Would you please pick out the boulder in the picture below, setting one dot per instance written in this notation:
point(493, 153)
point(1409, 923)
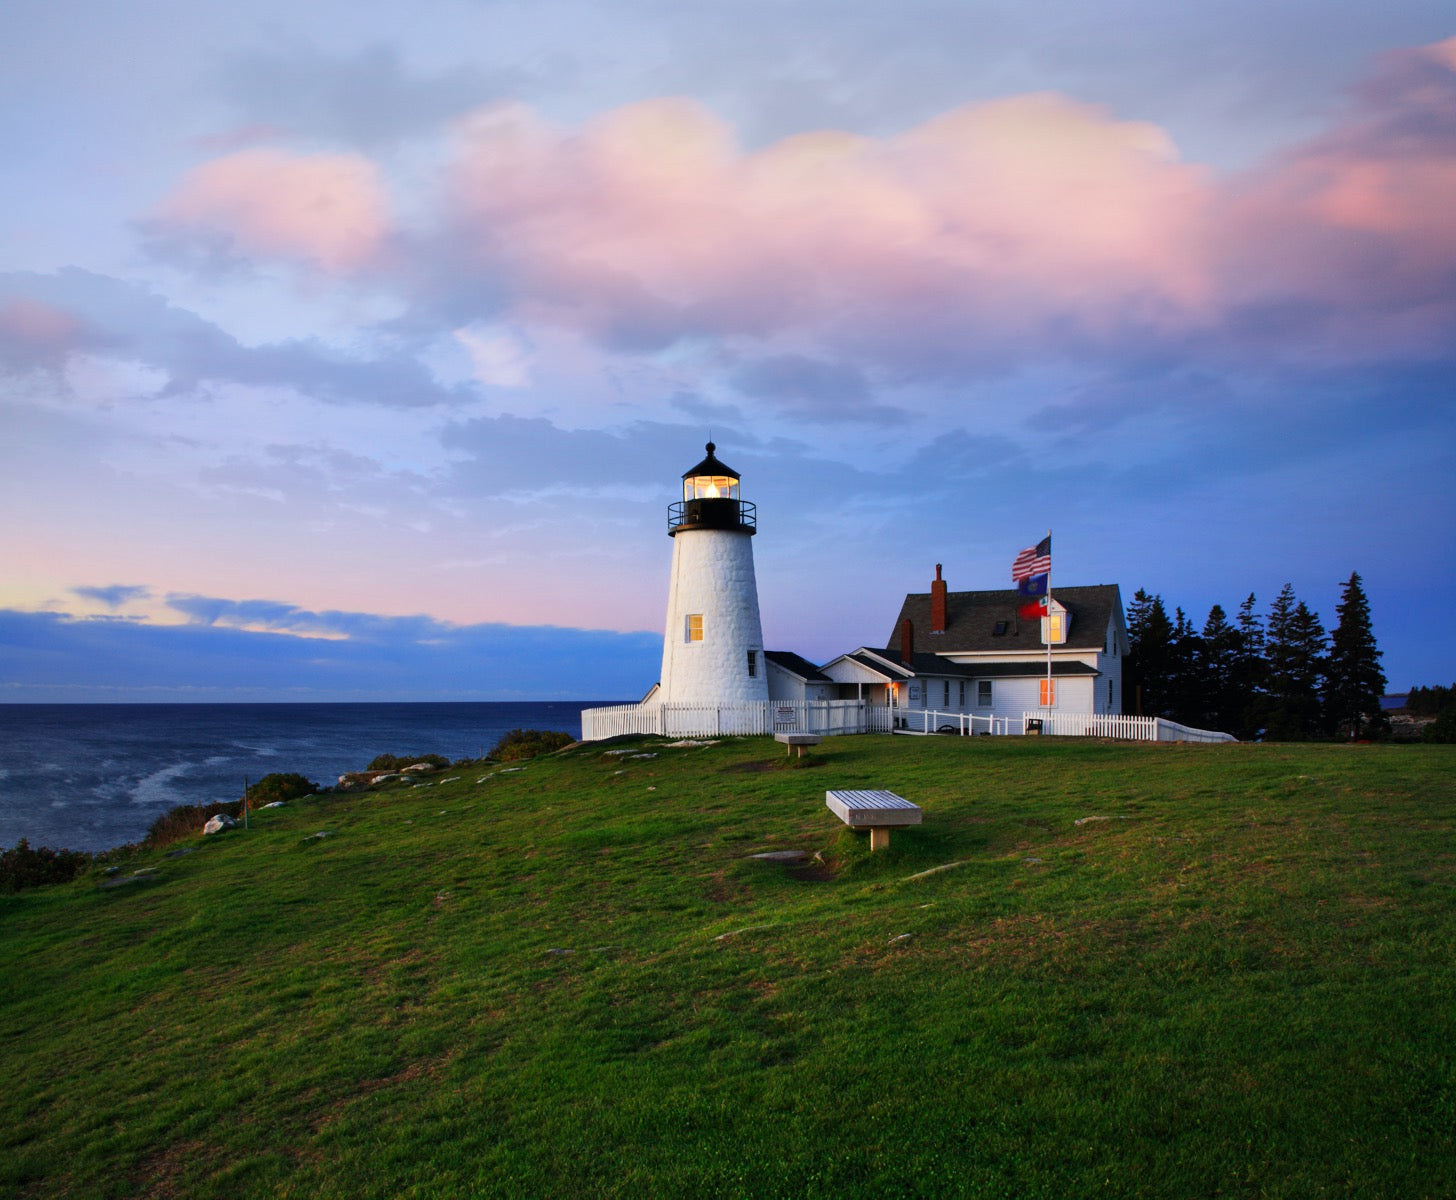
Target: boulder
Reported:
point(218, 823)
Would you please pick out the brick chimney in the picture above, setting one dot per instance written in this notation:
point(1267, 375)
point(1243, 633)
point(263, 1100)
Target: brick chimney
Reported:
point(907, 641)
point(937, 603)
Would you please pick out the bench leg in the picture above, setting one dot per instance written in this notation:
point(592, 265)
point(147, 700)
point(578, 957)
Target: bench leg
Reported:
point(879, 838)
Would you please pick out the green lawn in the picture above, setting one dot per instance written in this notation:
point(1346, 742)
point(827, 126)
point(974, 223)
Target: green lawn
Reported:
point(572, 980)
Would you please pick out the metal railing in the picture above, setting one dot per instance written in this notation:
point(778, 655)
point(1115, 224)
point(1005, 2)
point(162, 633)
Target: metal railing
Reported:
point(713, 512)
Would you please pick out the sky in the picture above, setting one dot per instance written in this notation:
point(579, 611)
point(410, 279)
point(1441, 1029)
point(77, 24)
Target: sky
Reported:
point(351, 351)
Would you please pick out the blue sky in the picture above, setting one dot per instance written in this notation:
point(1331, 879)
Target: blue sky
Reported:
point(349, 353)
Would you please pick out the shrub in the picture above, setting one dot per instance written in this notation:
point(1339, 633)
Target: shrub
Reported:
point(528, 743)
point(1443, 728)
point(280, 786)
point(24, 867)
point(187, 820)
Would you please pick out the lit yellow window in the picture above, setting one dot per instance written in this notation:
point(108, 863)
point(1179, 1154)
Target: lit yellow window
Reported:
point(1048, 692)
point(1054, 629)
point(695, 627)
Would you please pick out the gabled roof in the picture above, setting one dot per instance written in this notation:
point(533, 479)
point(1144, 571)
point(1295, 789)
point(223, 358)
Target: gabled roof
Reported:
point(794, 665)
point(972, 617)
point(888, 664)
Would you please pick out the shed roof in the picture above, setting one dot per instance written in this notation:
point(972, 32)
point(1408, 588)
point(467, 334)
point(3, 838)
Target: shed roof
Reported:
point(795, 665)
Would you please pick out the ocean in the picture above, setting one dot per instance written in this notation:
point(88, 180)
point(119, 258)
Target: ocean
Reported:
point(93, 776)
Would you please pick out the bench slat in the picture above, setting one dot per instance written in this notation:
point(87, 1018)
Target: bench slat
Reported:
point(871, 807)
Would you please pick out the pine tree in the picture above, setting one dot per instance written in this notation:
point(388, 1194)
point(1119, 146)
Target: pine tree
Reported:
point(1250, 674)
point(1295, 654)
point(1354, 681)
point(1186, 696)
point(1217, 663)
point(1150, 638)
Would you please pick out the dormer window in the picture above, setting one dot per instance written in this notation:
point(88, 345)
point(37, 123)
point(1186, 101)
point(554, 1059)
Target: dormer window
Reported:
point(999, 629)
point(1054, 625)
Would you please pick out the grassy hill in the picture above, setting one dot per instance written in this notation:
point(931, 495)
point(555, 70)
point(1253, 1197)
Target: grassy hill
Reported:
point(1145, 971)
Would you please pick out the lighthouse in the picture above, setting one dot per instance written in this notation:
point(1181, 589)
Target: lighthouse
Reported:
point(712, 650)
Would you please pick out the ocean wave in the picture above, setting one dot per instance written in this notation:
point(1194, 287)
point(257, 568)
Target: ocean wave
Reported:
point(154, 791)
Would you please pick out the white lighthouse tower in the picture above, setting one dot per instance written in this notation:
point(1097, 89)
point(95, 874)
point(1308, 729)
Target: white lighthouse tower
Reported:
point(713, 648)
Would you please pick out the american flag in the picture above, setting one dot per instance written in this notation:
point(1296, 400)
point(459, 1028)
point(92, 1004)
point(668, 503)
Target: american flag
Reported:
point(1034, 560)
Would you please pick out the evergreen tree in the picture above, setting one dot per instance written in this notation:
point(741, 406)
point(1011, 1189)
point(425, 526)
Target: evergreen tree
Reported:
point(1150, 640)
point(1295, 655)
point(1250, 674)
point(1186, 698)
point(1354, 681)
point(1218, 660)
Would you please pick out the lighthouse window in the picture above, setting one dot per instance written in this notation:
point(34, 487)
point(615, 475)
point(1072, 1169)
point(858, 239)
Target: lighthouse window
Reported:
point(694, 628)
point(752, 666)
point(710, 487)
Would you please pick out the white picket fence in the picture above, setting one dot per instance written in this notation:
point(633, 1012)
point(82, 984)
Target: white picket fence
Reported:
point(679, 719)
point(1111, 725)
point(830, 717)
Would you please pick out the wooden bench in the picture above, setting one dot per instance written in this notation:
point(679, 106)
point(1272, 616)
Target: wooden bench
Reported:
point(797, 741)
point(876, 811)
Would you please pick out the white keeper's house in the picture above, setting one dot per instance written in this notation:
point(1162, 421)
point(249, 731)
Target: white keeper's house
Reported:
point(972, 652)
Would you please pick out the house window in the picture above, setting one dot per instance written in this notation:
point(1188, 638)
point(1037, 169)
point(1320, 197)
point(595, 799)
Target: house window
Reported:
point(1109, 695)
point(983, 693)
point(752, 665)
point(1048, 693)
point(963, 693)
point(946, 701)
point(1054, 629)
point(694, 631)
point(999, 629)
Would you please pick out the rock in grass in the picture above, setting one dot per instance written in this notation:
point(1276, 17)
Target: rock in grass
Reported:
point(218, 823)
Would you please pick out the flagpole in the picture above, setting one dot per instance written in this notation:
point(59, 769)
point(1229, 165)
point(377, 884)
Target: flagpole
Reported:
point(1050, 694)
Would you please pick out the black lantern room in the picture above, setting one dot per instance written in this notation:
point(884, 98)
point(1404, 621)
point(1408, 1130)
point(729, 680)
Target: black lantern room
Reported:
point(711, 501)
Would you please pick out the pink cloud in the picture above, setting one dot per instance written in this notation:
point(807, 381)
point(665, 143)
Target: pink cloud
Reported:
point(1006, 210)
point(37, 324)
point(1355, 226)
point(36, 334)
point(328, 209)
point(998, 232)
